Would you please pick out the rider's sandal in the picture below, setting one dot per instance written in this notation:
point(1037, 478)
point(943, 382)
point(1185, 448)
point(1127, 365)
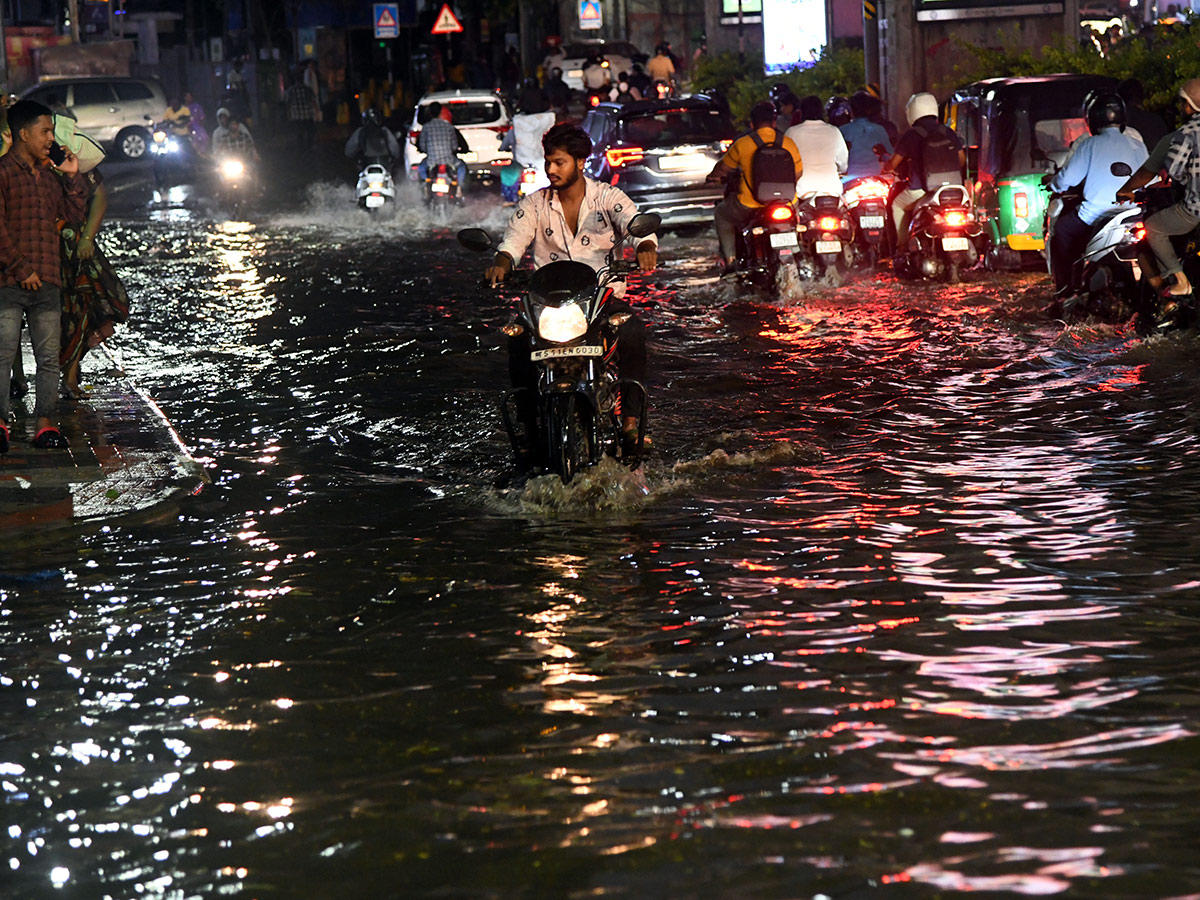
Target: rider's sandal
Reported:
point(3, 438)
point(50, 438)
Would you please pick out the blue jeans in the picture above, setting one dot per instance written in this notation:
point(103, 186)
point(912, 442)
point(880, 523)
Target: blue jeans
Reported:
point(43, 307)
point(460, 170)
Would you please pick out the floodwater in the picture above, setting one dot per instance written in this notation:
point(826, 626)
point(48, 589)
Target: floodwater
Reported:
point(903, 605)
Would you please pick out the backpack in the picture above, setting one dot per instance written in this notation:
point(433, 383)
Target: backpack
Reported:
point(773, 170)
point(939, 157)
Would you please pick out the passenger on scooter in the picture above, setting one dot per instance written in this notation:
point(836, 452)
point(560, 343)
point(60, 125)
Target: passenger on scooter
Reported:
point(661, 67)
point(597, 74)
point(232, 138)
point(576, 219)
point(823, 150)
point(787, 107)
point(738, 208)
point(932, 154)
point(441, 143)
point(863, 136)
point(524, 139)
point(1089, 165)
point(373, 143)
point(1179, 154)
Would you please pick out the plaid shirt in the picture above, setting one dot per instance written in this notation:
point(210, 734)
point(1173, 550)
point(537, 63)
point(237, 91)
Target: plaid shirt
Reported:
point(31, 203)
point(439, 142)
point(1183, 163)
point(226, 143)
point(301, 105)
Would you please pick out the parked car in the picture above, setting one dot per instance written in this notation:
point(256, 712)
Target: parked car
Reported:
point(572, 57)
point(118, 112)
point(481, 118)
point(659, 153)
point(1016, 130)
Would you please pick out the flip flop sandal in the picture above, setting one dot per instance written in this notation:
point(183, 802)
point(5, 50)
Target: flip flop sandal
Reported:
point(3, 438)
point(50, 438)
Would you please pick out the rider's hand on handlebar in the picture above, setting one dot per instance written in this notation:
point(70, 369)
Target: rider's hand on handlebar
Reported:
point(498, 270)
point(647, 257)
point(1126, 196)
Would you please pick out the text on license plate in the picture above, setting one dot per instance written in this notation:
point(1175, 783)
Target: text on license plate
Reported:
point(871, 221)
point(955, 243)
point(829, 246)
point(683, 161)
point(553, 352)
point(784, 239)
point(374, 200)
point(440, 187)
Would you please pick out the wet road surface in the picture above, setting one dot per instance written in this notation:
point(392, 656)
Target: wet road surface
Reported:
point(904, 603)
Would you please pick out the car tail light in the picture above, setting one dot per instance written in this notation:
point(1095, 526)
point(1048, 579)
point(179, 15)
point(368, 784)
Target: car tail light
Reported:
point(414, 134)
point(1021, 205)
point(620, 156)
point(829, 223)
point(499, 129)
point(595, 99)
point(781, 214)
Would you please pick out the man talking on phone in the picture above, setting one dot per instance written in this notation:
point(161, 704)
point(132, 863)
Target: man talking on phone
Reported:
point(33, 197)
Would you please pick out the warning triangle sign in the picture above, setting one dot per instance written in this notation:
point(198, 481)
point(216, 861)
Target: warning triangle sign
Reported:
point(386, 19)
point(589, 11)
point(447, 22)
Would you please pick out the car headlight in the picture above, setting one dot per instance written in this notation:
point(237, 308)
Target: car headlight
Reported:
point(562, 323)
point(232, 168)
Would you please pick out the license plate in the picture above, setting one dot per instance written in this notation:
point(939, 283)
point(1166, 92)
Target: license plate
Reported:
point(374, 200)
point(469, 156)
point(829, 246)
point(684, 161)
point(955, 243)
point(784, 239)
point(440, 187)
point(554, 352)
point(574, 73)
point(871, 222)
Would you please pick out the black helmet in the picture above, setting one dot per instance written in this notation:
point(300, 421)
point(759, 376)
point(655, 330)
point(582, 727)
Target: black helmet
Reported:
point(781, 94)
point(837, 111)
point(1103, 109)
point(371, 117)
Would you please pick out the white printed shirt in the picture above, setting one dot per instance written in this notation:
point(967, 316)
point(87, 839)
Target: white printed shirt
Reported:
point(538, 219)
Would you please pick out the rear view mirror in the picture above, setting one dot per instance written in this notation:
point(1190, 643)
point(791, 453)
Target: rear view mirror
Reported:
point(642, 225)
point(1121, 169)
point(476, 240)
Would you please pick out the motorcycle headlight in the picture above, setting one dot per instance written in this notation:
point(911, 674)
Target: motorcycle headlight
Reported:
point(560, 324)
point(159, 137)
point(232, 168)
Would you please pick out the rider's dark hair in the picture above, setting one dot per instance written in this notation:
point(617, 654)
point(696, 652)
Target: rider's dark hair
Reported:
point(1131, 92)
point(861, 104)
point(762, 114)
point(24, 113)
point(571, 139)
point(433, 110)
point(812, 108)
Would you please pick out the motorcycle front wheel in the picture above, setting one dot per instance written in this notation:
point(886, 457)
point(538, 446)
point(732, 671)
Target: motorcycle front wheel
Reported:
point(566, 436)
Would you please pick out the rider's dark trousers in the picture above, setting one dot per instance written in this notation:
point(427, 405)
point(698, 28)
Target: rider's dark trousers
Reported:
point(1070, 239)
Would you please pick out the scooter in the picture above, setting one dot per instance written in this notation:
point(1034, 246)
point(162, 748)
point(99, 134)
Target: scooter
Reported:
point(1155, 311)
point(441, 188)
point(768, 244)
point(174, 155)
point(866, 202)
point(572, 338)
point(827, 233)
point(375, 188)
point(943, 236)
point(235, 183)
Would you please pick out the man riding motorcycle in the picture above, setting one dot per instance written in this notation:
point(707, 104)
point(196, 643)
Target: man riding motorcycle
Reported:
point(524, 139)
point(927, 148)
point(1089, 165)
point(823, 150)
point(373, 143)
point(441, 143)
point(1179, 154)
point(863, 136)
point(578, 219)
point(738, 208)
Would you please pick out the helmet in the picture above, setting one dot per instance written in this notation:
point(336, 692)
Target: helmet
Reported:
point(224, 112)
point(781, 94)
point(1103, 109)
point(371, 117)
point(919, 106)
point(837, 111)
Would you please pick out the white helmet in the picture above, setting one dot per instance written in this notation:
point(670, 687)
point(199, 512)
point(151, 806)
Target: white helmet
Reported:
point(224, 112)
point(919, 106)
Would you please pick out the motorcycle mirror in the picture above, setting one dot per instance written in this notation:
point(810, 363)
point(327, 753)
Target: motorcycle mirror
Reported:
point(644, 224)
point(1121, 168)
point(476, 240)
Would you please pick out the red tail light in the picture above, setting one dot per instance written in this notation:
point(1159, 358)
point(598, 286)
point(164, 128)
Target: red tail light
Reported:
point(829, 223)
point(956, 218)
point(1138, 231)
point(781, 214)
point(725, 145)
point(414, 134)
point(529, 176)
point(1021, 205)
point(868, 189)
point(595, 99)
point(499, 129)
point(620, 156)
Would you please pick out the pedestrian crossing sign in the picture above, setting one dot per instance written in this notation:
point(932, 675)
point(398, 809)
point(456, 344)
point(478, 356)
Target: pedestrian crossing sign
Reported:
point(387, 20)
point(447, 22)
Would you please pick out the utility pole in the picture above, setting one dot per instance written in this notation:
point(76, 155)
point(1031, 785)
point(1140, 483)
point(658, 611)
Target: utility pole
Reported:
point(73, 12)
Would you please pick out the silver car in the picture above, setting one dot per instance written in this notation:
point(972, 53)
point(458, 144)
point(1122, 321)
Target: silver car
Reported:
point(573, 57)
point(118, 112)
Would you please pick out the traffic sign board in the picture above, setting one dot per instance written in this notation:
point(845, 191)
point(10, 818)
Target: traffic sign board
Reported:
point(447, 22)
point(590, 16)
point(387, 20)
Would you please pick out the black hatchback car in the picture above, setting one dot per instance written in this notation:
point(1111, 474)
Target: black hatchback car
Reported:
point(659, 153)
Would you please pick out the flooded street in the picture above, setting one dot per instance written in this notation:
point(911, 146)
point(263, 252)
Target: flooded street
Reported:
point(904, 603)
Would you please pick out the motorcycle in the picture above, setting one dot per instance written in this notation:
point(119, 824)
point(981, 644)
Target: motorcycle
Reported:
point(827, 232)
point(572, 339)
point(768, 244)
point(943, 236)
point(375, 188)
point(1157, 312)
point(235, 183)
point(866, 202)
point(533, 179)
point(174, 154)
point(441, 187)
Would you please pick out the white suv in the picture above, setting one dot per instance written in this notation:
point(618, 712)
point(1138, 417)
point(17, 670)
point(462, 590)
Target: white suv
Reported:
point(481, 118)
point(118, 112)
